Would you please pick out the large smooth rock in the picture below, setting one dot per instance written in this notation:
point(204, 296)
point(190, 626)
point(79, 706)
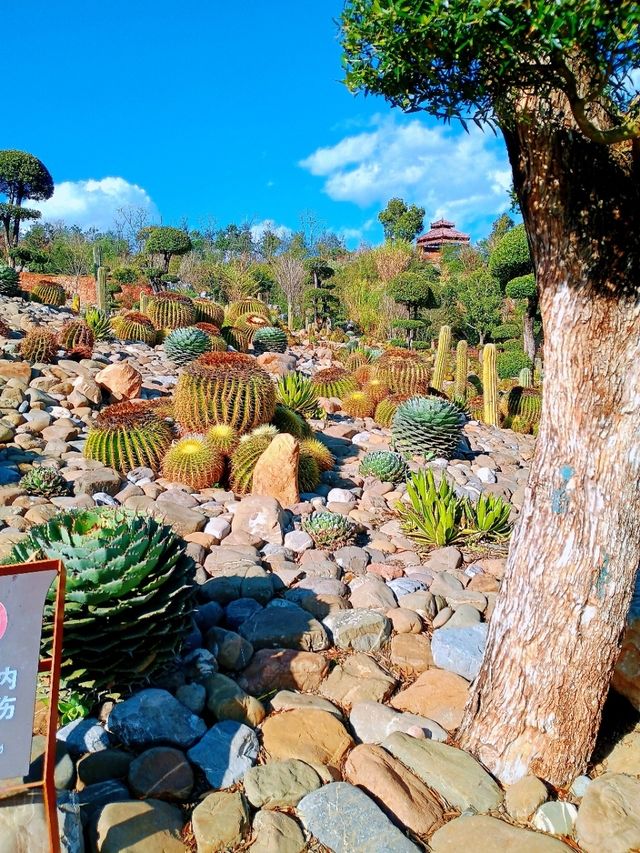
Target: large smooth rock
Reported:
point(136, 826)
point(400, 794)
point(277, 833)
point(454, 774)
point(154, 717)
point(609, 815)
point(220, 821)
point(360, 630)
point(523, 797)
point(276, 472)
point(437, 694)
point(235, 578)
point(225, 753)
point(283, 669)
point(315, 737)
point(97, 480)
point(81, 736)
point(357, 679)
point(227, 701)
point(483, 834)
point(284, 625)
point(346, 820)
point(261, 517)
point(122, 381)
point(162, 773)
point(280, 783)
point(460, 650)
point(411, 653)
point(372, 722)
point(372, 593)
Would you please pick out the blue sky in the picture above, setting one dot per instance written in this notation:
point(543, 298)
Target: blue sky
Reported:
point(228, 112)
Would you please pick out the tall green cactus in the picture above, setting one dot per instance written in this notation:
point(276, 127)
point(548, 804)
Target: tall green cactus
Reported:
point(97, 260)
point(462, 370)
point(525, 380)
point(102, 290)
point(490, 385)
point(440, 366)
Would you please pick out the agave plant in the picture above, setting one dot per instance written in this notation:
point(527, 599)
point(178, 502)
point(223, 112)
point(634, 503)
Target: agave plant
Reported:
point(299, 393)
point(427, 426)
point(185, 344)
point(434, 515)
point(269, 339)
point(45, 482)
point(128, 597)
point(99, 323)
point(489, 517)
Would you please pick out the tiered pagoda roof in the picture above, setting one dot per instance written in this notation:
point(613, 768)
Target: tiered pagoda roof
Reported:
point(442, 233)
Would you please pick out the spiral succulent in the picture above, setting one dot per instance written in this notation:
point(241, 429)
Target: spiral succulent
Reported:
point(224, 388)
point(9, 282)
point(224, 438)
point(128, 598)
point(169, 310)
point(39, 345)
point(209, 312)
point(194, 462)
point(384, 465)
point(186, 344)
point(329, 529)
point(44, 482)
point(245, 458)
point(133, 326)
point(49, 293)
point(427, 426)
point(99, 323)
point(298, 393)
point(286, 420)
point(358, 405)
point(269, 339)
point(76, 338)
point(334, 382)
point(129, 435)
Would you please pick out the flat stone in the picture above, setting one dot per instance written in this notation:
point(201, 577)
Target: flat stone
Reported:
point(298, 541)
point(436, 694)
point(140, 827)
point(102, 766)
point(283, 669)
point(459, 779)
point(284, 625)
point(277, 833)
point(280, 784)
point(97, 480)
point(220, 821)
point(609, 817)
point(346, 820)
point(483, 834)
point(261, 517)
point(181, 518)
point(444, 559)
point(225, 753)
point(357, 679)
point(460, 650)
point(154, 717)
point(400, 794)
point(236, 578)
point(315, 737)
point(523, 797)
point(287, 700)
point(370, 592)
point(411, 653)
point(372, 722)
point(360, 630)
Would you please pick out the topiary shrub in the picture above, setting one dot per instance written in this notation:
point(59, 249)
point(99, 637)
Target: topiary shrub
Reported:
point(384, 465)
point(506, 331)
point(49, 293)
point(133, 326)
point(329, 529)
point(195, 462)
point(511, 257)
point(224, 388)
point(128, 597)
point(209, 311)
point(127, 436)
point(334, 382)
point(169, 310)
point(9, 282)
point(269, 339)
point(76, 338)
point(39, 345)
point(510, 363)
point(186, 344)
point(427, 426)
point(298, 393)
point(44, 482)
point(358, 405)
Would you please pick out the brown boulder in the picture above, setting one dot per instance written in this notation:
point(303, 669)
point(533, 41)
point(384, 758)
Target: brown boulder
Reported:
point(122, 380)
point(276, 473)
point(316, 737)
point(437, 694)
point(283, 669)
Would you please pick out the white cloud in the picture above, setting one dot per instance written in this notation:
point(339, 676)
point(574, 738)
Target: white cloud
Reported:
point(94, 203)
point(260, 228)
point(443, 169)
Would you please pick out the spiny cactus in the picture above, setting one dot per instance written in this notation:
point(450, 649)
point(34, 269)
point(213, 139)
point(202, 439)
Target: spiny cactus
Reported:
point(245, 458)
point(363, 374)
point(286, 420)
point(334, 382)
point(128, 599)
point(210, 328)
point(218, 343)
point(376, 390)
point(518, 423)
point(49, 293)
point(299, 393)
point(490, 385)
point(39, 345)
point(525, 378)
point(99, 323)
point(358, 405)
point(403, 375)
point(194, 462)
point(103, 297)
point(525, 403)
point(75, 303)
point(9, 282)
point(320, 452)
point(386, 409)
point(76, 338)
point(224, 437)
point(245, 306)
point(427, 426)
point(269, 339)
point(240, 334)
point(209, 312)
point(169, 310)
point(329, 529)
point(384, 465)
point(442, 357)
point(309, 473)
point(475, 408)
point(44, 482)
point(462, 370)
point(133, 326)
point(127, 436)
point(357, 358)
point(183, 345)
point(224, 388)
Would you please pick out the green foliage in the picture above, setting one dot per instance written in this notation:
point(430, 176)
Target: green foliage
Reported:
point(506, 331)
point(39, 345)
point(166, 241)
point(384, 465)
point(462, 370)
point(9, 281)
point(427, 426)
point(414, 289)
point(23, 176)
point(195, 462)
point(401, 221)
point(511, 257)
point(269, 339)
point(127, 436)
point(442, 357)
point(125, 275)
point(44, 482)
point(479, 294)
point(488, 518)
point(329, 530)
point(128, 597)
point(522, 287)
point(99, 323)
point(169, 310)
point(299, 393)
point(185, 344)
point(49, 293)
point(72, 707)
point(511, 362)
point(133, 326)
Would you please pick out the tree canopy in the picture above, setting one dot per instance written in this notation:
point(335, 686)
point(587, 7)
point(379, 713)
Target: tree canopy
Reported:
point(166, 241)
point(511, 256)
point(23, 176)
point(401, 221)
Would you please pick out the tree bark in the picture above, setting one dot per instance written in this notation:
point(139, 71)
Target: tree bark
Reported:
point(529, 340)
point(555, 632)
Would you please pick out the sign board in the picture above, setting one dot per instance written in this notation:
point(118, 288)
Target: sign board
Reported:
point(22, 598)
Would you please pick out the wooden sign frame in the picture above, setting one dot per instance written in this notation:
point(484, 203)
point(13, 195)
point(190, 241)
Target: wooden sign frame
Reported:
point(52, 666)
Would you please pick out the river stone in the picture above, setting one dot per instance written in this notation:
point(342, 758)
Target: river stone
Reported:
point(357, 679)
point(277, 833)
point(411, 653)
point(225, 753)
point(483, 834)
point(261, 517)
point(279, 783)
point(523, 797)
point(455, 775)
point(360, 630)
point(220, 821)
point(287, 700)
point(102, 766)
point(284, 625)
point(556, 818)
point(236, 578)
point(227, 701)
point(162, 773)
point(234, 652)
point(460, 650)
point(346, 820)
point(315, 737)
point(437, 694)
point(372, 593)
point(140, 827)
point(82, 736)
point(372, 722)
point(154, 717)
point(609, 815)
point(283, 669)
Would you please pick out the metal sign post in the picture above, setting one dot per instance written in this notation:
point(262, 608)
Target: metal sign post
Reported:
point(23, 591)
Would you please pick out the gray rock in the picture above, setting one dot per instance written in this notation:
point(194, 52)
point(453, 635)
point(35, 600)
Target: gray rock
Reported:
point(154, 717)
point(608, 817)
point(97, 480)
point(341, 496)
point(261, 517)
point(284, 625)
point(405, 586)
point(460, 650)
point(345, 820)
point(360, 630)
point(352, 559)
point(280, 783)
point(234, 652)
point(225, 753)
point(556, 818)
point(238, 611)
point(237, 578)
point(298, 541)
point(82, 736)
point(372, 722)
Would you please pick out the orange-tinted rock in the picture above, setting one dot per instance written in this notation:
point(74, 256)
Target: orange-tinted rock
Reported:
point(316, 737)
point(437, 694)
point(122, 380)
point(276, 472)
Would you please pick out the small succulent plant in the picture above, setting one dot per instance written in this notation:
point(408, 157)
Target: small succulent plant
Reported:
point(269, 339)
point(44, 482)
point(329, 529)
point(427, 426)
point(186, 344)
point(384, 465)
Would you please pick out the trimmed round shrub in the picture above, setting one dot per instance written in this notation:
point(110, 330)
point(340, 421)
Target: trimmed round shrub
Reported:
point(510, 363)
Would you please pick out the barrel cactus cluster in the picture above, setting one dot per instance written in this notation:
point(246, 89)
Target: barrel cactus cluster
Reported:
point(76, 337)
point(39, 345)
point(195, 462)
point(134, 326)
point(170, 310)
point(334, 382)
point(49, 293)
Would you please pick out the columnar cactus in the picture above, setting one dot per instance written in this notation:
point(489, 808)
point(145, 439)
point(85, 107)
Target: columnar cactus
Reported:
point(127, 436)
point(269, 339)
point(39, 345)
point(525, 379)
point(76, 338)
point(462, 370)
point(186, 344)
point(103, 302)
point(490, 385)
point(442, 357)
point(209, 312)
point(427, 426)
point(169, 310)
point(228, 388)
point(195, 462)
point(49, 293)
point(133, 326)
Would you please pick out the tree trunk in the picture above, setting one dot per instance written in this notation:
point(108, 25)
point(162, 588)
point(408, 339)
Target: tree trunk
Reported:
point(555, 632)
point(529, 340)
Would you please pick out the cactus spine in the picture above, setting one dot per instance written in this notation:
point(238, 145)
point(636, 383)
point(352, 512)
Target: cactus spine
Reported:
point(102, 290)
point(440, 366)
point(462, 369)
point(490, 385)
point(525, 380)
